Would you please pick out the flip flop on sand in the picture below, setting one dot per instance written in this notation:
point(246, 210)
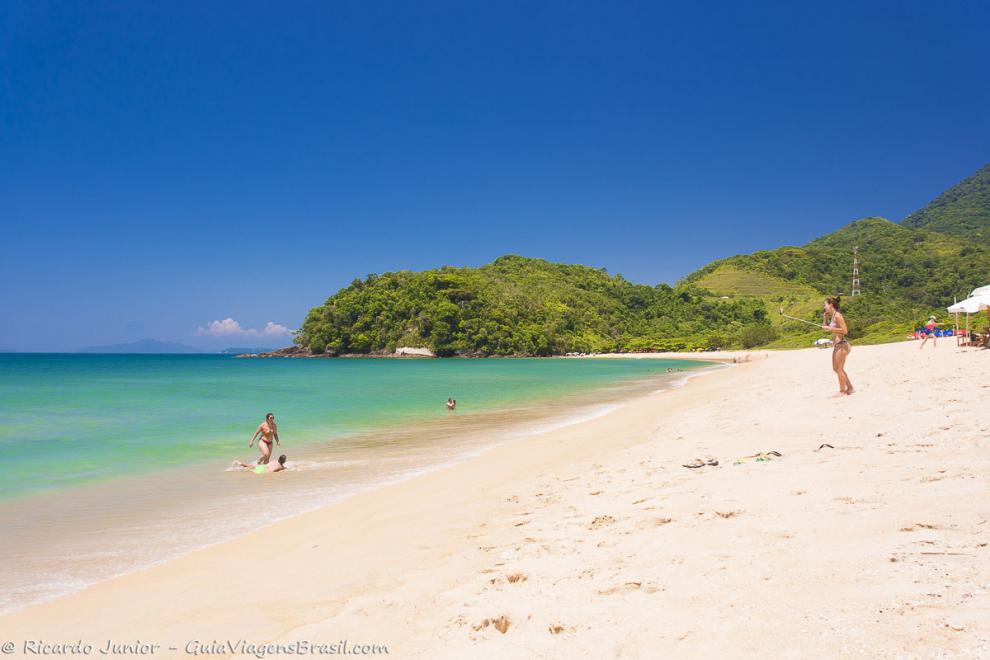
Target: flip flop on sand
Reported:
point(765, 454)
point(702, 462)
point(761, 457)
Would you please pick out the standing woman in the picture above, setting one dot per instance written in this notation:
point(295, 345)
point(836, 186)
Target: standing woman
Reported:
point(268, 430)
point(836, 324)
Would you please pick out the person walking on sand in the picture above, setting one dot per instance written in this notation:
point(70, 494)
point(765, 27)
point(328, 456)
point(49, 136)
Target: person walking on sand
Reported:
point(836, 324)
point(930, 332)
point(268, 429)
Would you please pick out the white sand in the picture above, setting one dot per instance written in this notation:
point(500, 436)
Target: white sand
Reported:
point(593, 541)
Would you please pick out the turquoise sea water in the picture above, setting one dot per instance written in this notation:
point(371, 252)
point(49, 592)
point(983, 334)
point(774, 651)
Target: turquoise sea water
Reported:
point(66, 420)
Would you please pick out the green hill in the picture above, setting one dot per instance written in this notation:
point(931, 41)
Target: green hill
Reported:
point(963, 210)
point(521, 306)
point(905, 274)
point(924, 267)
point(907, 271)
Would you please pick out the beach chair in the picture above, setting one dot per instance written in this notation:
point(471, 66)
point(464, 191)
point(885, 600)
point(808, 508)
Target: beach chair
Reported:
point(978, 339)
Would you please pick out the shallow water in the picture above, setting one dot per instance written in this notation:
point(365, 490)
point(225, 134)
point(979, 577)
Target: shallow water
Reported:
point(119, 462)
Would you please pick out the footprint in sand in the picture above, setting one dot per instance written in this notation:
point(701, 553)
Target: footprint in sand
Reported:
point(650, 588)
point(915, 526)
point(728, 514)
point(501, 624)
point(601, 521)
point(653, 522)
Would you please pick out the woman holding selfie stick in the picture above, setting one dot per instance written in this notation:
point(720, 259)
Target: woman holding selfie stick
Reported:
point(835, 323)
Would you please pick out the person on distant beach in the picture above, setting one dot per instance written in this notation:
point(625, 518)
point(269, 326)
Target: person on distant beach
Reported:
point(268, 429)
point(261, 468)
point(840, 344)
point(451, 404)
point(929, 332)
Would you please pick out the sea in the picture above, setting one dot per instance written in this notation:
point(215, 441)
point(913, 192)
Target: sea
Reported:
point(112, 463)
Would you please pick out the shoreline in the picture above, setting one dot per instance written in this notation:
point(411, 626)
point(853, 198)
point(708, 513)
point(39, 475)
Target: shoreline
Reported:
point(705, 356)
point(348, 465)
point(593, 538)
point(519, 434)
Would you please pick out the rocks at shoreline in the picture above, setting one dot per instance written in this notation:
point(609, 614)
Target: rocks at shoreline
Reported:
point(410, 351)
point(288, 351)
point(301, 352)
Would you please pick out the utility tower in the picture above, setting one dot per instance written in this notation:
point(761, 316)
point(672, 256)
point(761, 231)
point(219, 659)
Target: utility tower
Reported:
point(855, 289)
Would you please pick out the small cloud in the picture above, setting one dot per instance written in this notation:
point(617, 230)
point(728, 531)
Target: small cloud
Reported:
point(228, 327)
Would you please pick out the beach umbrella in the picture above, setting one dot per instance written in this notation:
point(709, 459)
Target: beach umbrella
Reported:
point(971, 305)
point(978, 300)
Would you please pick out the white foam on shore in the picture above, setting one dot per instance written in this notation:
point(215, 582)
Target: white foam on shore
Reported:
point(683, 379)
point(580, 416)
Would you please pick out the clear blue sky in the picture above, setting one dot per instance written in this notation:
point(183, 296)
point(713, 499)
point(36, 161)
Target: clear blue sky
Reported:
point(166, 165)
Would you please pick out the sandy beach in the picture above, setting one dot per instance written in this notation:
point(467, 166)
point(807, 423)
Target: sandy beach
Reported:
point(593, 540)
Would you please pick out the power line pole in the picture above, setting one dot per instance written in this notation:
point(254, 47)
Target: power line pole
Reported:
point(855, 288)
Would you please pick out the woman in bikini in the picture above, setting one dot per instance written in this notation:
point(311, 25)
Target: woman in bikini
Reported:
point(268, 429)
point(834, 322)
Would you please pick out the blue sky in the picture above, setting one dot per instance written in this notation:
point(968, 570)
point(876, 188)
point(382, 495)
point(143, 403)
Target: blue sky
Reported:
point(167, 165)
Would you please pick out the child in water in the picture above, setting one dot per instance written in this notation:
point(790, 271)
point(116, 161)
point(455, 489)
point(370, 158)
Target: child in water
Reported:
point(261, 468)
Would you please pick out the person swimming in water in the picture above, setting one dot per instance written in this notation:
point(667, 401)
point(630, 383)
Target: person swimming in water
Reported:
point(261, 468)
point(268, 429)
point(930, 333)
point(451, 404)
point(840, 344)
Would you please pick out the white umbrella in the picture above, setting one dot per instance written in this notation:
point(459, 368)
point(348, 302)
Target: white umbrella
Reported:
point(978, 300)
point(969, 306)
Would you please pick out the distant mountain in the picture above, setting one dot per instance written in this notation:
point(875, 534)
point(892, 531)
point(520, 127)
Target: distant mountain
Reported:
point(244, 351)
point(142, 346)
point(963, 210)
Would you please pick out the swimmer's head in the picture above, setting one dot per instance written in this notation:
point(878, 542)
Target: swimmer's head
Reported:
point(270, 417)
point(281, 460)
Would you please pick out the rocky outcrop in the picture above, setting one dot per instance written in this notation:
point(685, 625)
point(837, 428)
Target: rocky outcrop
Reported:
point(409, 351)
point(301, 352)
point(288, 351)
